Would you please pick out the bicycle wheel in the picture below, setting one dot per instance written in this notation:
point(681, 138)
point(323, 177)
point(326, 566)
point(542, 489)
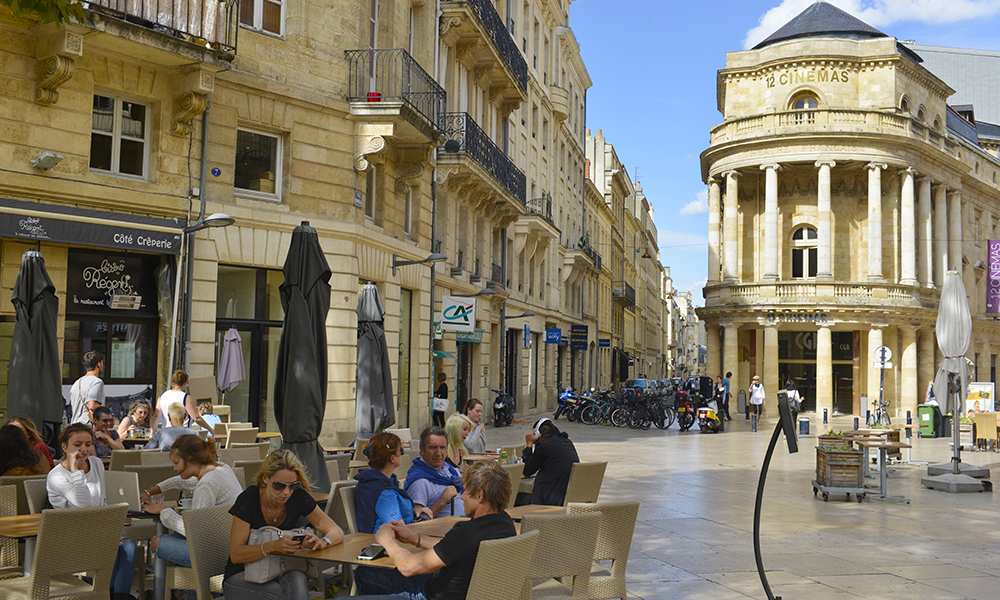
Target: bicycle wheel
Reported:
point(670, 415)
point(634, 419)
point(645, 419)
point(590, 414)
point(619, 416)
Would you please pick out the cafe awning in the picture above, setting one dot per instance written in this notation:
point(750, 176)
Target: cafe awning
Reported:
point(38, 222)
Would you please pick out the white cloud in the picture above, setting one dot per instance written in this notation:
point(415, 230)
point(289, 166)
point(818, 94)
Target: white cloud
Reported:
point(698, 206)
point(878, 13)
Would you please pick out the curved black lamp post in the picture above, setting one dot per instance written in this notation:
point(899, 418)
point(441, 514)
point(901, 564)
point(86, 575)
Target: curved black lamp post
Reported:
point(785, 422)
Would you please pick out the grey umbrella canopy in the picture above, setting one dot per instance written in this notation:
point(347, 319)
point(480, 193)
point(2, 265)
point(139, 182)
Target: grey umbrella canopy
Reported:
point(954, 331)
point(34, 382)
point(300, 379)
point(375, 409)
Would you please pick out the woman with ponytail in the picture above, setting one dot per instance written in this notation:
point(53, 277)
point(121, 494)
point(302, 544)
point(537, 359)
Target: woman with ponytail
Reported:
point(198, 471)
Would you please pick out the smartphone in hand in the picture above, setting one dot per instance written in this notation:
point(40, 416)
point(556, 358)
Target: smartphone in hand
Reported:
point(372, 552)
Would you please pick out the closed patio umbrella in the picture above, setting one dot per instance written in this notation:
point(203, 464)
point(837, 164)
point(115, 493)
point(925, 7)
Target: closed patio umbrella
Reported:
point(34, 382)
point(300, 378)
point(231, 369)
point(375, 409)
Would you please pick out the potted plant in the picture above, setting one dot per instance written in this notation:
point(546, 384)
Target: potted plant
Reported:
point(834, 438)
point(966, 432)
point(839, 465)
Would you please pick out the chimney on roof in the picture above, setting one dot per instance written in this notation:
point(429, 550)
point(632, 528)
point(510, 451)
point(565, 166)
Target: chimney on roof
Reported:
point(586, 167)
point(588, 131)
point(600, 133)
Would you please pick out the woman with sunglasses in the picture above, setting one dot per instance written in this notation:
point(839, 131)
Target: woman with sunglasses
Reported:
point(377, 497)
point(106, 437)
point(279, 498)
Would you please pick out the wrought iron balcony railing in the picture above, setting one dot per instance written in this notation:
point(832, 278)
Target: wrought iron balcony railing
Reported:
point(541, 207)
point(505, 44)
point(623, 291)
point(496, 274)
point(207, 22)
point(392, 74)
point(462, 128)
point(593, 254)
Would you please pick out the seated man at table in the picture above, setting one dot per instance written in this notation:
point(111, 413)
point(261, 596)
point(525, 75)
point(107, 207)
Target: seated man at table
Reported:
point(106, 436)
point(444, 569)
point(164, 437)
point(431, 482)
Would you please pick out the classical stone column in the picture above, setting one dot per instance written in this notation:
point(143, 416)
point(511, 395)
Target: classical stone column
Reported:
point(730, 362)
point(824, 371)
point(909, 392)
point(925, 234)
point(908, 230)
point(955, 230)
point(940, 234)
point(729, 226)
point(770, 221)
point(714, 230)
point(770, 375)
point(868, 360)
point(926, 366)
point(824, 251)
point(713, 347)
point(875, 221)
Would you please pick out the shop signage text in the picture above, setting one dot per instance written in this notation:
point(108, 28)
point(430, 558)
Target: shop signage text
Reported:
point(553, 335)
point(993, 278)
point(43, 228)
point(807, 76)
point(578, 337)
point(796, 317)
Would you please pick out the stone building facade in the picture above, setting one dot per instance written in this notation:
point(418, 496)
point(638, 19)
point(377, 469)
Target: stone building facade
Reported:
point(842, 188)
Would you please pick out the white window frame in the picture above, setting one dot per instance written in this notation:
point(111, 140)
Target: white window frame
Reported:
point(279, 162)
point(805, 246)
point(258, 18)
point(116, 137)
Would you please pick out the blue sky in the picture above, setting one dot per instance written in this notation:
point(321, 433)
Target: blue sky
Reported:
point(653, 64)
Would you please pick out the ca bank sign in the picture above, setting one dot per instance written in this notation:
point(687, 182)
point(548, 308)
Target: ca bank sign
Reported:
point(458, 313)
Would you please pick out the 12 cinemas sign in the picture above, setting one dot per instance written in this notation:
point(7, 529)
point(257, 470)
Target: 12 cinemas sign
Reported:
point(993, 277)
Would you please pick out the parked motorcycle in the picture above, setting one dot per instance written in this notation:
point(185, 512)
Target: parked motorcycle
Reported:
point(571, 404)
point(503, 409)
point(685, 410)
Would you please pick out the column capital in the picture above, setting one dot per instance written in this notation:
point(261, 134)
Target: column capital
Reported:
point(733, 174)
point(876, 165)
point(767, 166)
point(825, 162)
point(954, 193)
point(925, 179)
point(939, 187)
point(712, 180)
point(909, 171)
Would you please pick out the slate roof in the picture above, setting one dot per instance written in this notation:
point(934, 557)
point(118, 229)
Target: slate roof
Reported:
point(960, 127)
point(826, 20)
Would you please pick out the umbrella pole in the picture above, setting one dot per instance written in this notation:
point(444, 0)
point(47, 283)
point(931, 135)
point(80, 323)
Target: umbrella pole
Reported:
point(956, 459)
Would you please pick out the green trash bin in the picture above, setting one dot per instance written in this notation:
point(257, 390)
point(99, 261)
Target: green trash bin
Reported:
point(929, 420)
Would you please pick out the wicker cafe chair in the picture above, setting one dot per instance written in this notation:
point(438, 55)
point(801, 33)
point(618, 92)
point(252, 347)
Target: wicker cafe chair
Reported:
point(347, 500)
point(36, 493)
point(155, 457)
point(250, 467)
point(241, 436)
point(262, 447)
point(231, 455)
point(9, 562)
point(337, 466)
point(335, 503)
point(501, 568)
point(58, 556)
point(18, 482)
point(585, 482)
point(614, 541)
point(240, 474)
point(120, 458)
point(150, 475)
point(208, 545)
point(565, 550)
point(516, 474)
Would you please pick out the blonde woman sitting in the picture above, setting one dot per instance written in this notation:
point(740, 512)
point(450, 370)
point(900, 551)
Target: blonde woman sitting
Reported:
point(456, 429)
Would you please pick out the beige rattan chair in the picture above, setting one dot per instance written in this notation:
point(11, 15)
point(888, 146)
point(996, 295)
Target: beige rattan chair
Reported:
point(150, 475)
point(208, 544)
point(241, 436)
point(585, 482)
point(9, 561)
point(565, 550)
point(18, 482)
point(231, 455)
point(262, 447)
point(335, 503)
point(336, 466)
point(351, 515)
point(241, 477)
point(36, 493)
point(404, 465)
point(516, 472)
point(405, 435)
point(154, 457)
point(359, 450)
point(501, 568)
point(58, 556)
point(120, 458)
point(250, 467)
point(223, 410)
point(614, 541)
point(344, 438)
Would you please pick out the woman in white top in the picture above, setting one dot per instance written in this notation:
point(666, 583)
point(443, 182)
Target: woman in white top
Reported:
point(78, 482)
point(756, 401)
point(177, 393)
point(476, 442)
point(213, 484)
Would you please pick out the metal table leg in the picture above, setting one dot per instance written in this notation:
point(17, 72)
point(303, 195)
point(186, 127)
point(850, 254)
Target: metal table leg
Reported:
point(29, 554)
point(159, 567)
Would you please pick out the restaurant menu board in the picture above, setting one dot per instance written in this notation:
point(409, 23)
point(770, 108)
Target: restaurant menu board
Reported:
point(981, 397)
point(122, 360)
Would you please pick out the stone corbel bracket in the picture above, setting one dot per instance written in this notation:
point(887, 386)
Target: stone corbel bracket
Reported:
point(193, 86)
point(56, 51)
point(408, 175)
point(369, 140)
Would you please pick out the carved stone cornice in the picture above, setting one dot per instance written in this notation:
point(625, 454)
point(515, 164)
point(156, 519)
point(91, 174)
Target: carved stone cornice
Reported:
point(56, 51)
point(193, 87)
point(447, 23)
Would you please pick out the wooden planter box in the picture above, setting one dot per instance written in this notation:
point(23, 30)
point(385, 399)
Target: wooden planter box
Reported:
point(829, 440)
point(965, 435)
point(839, 468)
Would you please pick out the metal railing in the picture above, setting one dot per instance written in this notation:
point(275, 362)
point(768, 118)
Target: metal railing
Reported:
point(211, 21)
point(592, 254)
point(541, 207)
point(496, 274)
point(392, 74)
point(436, 246)
point(472, 140)
point(505, 44)
point(623, 291)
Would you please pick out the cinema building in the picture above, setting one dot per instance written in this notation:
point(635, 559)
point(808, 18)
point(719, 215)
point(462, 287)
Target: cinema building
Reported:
point(842, 188)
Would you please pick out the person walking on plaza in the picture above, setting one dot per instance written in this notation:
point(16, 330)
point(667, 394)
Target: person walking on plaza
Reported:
point(87, 392)
point(756, 401)
point(440, 392)
point(725, 405)
point(794, 399)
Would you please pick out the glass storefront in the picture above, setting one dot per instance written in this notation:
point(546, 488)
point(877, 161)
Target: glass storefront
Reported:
point(797, 362)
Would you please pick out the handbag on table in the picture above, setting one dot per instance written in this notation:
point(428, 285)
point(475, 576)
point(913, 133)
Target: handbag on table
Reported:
point(274, 566)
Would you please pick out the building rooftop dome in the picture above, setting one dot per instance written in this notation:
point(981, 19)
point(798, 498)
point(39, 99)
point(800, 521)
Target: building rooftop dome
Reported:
point(822, 19)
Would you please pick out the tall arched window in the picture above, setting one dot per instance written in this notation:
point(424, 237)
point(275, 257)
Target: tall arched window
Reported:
point(804, 251)
point(803, 103)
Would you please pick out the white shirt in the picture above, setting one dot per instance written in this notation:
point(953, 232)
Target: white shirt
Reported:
point(218, 486)
point(85, 390)
point(168, 398)
point(77, 489)
point(756, 393)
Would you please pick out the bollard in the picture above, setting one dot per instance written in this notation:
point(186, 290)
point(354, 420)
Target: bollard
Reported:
point(824, 416)
point(803, 426)
point(909, 421)
point(855, 423)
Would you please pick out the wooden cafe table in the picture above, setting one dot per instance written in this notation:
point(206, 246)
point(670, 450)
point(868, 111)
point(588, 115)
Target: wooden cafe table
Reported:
point(22, 527)
point(535, 509)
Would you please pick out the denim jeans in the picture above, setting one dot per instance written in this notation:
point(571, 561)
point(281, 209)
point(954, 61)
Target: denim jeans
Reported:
point(389, 583)
point(124, 569)
point(293, 585)
point(173, 548)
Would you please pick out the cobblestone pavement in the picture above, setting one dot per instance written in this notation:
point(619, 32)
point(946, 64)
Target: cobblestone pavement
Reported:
point(693, 539)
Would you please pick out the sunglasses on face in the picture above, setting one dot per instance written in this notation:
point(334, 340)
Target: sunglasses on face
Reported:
point(107, 420)
point(280, 486)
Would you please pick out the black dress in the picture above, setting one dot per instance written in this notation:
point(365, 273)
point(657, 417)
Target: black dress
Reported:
point(552, 458)
point(440, 392)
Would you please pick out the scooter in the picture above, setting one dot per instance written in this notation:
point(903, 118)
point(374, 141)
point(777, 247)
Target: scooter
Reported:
point(685, 410)
point(503, 409)
point(569, 404)
point(708, 418)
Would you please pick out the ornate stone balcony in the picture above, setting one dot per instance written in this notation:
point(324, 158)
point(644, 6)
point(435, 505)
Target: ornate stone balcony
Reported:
point(773, 295)
point(560, 102)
